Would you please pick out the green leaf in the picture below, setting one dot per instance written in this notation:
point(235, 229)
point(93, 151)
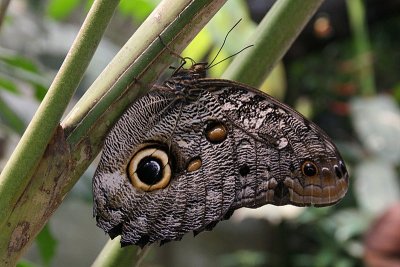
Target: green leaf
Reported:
point(8, 85)
point(25, 263)
point(15, 67)
point(20, 62)
point(396, 92)
point(60, 9)
point(245, 258)
point(40, 91)
point(47, 245)
point(198, 48)
point(12, 119)
point(138, 9)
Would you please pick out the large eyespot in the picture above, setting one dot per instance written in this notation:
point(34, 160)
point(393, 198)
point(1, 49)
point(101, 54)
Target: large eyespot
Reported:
point(309, 169)
point(216, 132)
point(149, 169)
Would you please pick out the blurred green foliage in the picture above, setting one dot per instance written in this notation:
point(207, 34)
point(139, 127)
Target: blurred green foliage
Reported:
point(47, 245)
point(138, 10)
point(60, 9)
point(323, 82)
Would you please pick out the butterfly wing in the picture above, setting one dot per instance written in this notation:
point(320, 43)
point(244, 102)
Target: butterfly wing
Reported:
point(226, 146)
point(281, 157)
point(202, 186)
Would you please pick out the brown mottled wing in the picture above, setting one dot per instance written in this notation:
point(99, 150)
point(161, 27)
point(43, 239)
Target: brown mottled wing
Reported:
point(193, 201)
point(273, 143)
point(271, 155)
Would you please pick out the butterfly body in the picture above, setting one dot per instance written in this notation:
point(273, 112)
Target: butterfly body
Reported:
point(193, 150)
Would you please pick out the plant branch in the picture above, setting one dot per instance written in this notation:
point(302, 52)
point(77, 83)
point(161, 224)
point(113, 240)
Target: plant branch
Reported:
point(362, 47)
point(3, 10)
point(273, 37)
point(112, 255)
point(71, 150)
point(17, 173)
point(26, 156)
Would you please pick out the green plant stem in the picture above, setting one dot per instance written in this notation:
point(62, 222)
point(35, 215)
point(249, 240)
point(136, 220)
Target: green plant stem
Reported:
point(363, 53)
point(71, 151)
point(15, 175)
point(273, 37)
point(129, 70)
point(26, 156)
point(112, 255)
point(3, 10)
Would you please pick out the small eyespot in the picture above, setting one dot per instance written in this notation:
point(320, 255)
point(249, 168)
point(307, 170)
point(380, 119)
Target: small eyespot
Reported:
point(338, 172)
point(244, 170)
point(194, 164)
point(216, 132)
point(149, 169)
point(309, 169)
point(343, 168)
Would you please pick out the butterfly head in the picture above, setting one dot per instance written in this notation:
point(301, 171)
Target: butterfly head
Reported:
point(184, 81)
point(196, 71)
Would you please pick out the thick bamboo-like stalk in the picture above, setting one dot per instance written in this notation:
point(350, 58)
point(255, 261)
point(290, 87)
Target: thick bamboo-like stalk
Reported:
point(74, 145)
point(16, 175)
point(273, 37)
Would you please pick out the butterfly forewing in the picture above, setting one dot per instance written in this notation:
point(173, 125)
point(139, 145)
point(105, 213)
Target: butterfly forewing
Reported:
point(279, 144)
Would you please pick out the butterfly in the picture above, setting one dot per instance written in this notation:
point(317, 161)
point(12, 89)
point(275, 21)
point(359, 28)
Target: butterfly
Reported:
point(194, 149)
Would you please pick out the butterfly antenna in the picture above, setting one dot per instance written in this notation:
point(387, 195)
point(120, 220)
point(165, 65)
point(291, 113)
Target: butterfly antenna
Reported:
point(209, 67)
point(183, 59)
point(223, 43)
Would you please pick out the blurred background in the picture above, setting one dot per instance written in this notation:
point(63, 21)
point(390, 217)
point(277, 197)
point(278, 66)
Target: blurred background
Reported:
point(343, 72)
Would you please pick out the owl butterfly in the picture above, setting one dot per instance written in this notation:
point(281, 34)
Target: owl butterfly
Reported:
point(193, 150)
